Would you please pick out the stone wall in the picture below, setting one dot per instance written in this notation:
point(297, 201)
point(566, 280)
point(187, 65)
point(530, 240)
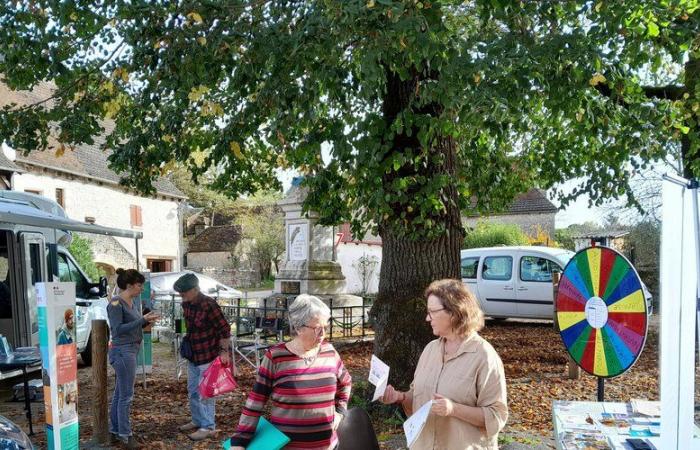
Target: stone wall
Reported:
point(238, 278)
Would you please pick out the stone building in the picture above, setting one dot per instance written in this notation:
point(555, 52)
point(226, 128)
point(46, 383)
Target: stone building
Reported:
point(80, 180)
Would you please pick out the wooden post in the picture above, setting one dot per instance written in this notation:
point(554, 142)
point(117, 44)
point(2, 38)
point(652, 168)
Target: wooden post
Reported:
point(100, 396)
point(574, 371)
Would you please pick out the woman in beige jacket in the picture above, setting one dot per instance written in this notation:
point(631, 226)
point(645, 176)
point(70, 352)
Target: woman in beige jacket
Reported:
point(460, 372)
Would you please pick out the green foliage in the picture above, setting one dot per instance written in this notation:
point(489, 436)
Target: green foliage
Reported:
point(487, 234)
point(82, 252)
point(645, 240)
point(425, 105)
point(564, 238)
point(263, 228)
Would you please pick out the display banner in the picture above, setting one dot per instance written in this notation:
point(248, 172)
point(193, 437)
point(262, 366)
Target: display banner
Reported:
point(56, 305)
point(146, 303)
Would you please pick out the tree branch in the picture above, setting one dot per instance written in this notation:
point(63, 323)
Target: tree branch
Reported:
point(669, 92)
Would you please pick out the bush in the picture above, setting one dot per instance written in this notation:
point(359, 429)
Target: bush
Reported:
point(82, 252)
point(492, 234)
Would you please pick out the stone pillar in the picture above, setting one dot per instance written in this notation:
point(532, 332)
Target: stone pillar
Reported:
point(309, 267)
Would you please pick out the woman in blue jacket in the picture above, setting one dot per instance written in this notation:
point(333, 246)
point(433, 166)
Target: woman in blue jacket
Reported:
point(125, 324)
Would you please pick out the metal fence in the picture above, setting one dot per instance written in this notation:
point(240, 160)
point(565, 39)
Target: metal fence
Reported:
point(270, 316)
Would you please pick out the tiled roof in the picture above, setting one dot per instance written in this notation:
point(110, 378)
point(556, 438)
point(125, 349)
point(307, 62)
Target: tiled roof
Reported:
point(215, 239)
point(7, 165)
point(534, 201)
point(601, 234)
point(82, 160)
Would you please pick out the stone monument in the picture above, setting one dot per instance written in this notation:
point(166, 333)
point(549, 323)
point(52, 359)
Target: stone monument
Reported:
point(310, 266)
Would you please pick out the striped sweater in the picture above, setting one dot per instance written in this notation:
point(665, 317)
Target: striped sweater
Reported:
point(304, 398)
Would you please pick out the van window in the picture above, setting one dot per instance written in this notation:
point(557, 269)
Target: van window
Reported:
point(533, 268)
point(68, 271)
point(469, 266)
point(499, 268)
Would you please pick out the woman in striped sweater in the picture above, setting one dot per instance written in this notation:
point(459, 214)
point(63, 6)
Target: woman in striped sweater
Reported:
point(306, 381)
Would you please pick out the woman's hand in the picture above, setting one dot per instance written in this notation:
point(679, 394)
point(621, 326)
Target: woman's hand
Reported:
point(441, 406)
point(151, 317)
point(336, 420)
point(392, 396)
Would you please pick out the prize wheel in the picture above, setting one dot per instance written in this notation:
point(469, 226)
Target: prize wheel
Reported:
point(602, 311)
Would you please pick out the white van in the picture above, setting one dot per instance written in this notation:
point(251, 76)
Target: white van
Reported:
point(34, 234)
point(516, 281)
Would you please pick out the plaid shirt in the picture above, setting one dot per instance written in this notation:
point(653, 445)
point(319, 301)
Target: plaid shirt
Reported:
point(206, 326)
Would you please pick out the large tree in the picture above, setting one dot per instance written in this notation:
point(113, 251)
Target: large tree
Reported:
point(425, 105)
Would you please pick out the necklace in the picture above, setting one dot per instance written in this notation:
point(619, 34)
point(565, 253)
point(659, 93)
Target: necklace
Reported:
point(308, 359)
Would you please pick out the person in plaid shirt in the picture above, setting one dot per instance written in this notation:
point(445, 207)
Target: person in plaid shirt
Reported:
point(209, 333)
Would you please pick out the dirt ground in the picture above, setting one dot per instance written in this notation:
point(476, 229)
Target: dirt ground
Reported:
point(532, 353)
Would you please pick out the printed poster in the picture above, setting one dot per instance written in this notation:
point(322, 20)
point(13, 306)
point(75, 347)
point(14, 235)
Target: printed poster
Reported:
point(145, 303)
point(56, 308)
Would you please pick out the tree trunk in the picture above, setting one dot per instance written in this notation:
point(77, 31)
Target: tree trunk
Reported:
point(399, 311)
point(409, 266)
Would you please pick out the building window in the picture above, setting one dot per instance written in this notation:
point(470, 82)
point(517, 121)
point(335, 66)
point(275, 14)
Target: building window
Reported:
point(159, 265)
point(32, 191)
point(136, 219)
point(60, 198)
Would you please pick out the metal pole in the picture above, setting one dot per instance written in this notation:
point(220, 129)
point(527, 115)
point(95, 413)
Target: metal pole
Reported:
point(363, 318)
point(138, 264)
point(601, 389)
point(330, 302)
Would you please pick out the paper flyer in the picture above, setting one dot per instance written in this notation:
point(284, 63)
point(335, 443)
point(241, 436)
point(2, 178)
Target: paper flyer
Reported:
point(56, 311)
point(414, 424)
point(378, 376)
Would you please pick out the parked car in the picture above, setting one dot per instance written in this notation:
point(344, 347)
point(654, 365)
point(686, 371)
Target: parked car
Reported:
point(12, 437)
point(162, 283)
point(516, 282)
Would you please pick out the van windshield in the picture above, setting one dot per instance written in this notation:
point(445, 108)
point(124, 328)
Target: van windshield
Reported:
point(564, 257)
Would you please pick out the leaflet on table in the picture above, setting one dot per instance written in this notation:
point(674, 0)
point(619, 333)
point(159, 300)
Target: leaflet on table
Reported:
point(378, 376)
point(587, 441)
point(414, 424)
point(646, 407)
point(615, 408)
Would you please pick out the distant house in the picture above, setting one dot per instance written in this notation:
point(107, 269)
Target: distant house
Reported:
point(216, 252)
point(531, 211)
point(82, 183)
point(213, 246)
point(616, 239)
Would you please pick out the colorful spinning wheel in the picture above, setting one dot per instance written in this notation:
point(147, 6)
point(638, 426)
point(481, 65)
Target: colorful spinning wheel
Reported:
point(602, 312)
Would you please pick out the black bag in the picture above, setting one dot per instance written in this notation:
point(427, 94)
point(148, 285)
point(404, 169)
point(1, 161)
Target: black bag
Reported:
point(186, 348)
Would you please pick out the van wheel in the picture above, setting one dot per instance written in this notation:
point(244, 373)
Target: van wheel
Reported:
point(86, 354)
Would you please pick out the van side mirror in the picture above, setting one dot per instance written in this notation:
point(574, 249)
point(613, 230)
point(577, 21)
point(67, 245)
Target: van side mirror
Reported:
point(103, 287)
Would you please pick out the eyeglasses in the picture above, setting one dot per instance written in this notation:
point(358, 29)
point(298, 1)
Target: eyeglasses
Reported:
point(319, 330)
point(430, 313)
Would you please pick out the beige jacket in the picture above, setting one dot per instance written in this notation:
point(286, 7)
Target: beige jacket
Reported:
point(473, 376)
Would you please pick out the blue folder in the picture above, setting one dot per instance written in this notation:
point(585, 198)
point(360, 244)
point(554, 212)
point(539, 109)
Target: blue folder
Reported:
point(266, 437)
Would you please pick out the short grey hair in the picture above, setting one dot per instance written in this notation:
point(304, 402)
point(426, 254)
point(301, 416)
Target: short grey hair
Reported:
point(305, 308)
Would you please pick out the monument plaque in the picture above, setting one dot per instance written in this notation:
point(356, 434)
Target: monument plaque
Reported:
point(297, 237)
point(290, 287)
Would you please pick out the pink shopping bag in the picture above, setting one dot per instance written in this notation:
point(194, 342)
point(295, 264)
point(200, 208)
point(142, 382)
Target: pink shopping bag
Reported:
point(217, 380)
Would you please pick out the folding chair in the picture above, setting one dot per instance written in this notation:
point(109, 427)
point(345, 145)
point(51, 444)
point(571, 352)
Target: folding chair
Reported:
point(267, 332)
